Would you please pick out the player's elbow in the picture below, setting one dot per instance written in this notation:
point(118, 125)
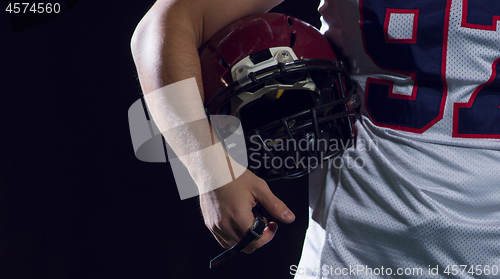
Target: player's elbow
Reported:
point(142, 37)
point(135, 41)
point(167, 20)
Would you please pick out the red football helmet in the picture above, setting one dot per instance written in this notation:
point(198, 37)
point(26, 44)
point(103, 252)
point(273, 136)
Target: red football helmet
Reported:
point(281, 78)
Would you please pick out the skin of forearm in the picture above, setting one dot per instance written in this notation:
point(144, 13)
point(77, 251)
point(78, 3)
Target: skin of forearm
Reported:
point(166, 55)
point(165, 50)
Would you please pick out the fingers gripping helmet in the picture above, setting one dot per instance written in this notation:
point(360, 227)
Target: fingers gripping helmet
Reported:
point(281, 78)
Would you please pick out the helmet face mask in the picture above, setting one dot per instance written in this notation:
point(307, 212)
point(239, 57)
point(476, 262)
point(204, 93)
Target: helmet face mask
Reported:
point(281, 78)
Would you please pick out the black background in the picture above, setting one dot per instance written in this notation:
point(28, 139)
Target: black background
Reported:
point(74, 200)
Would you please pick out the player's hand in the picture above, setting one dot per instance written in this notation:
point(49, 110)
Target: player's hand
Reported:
point(228, 210)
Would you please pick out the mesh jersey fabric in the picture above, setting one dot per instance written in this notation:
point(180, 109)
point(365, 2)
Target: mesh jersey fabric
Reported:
point(414, 199)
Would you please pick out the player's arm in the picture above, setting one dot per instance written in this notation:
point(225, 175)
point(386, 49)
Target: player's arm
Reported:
point(165, 50)
point(166, 41)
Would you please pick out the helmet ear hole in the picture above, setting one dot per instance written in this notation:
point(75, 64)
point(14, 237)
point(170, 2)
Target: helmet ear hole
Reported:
point(223, 63)
point(292, 39)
